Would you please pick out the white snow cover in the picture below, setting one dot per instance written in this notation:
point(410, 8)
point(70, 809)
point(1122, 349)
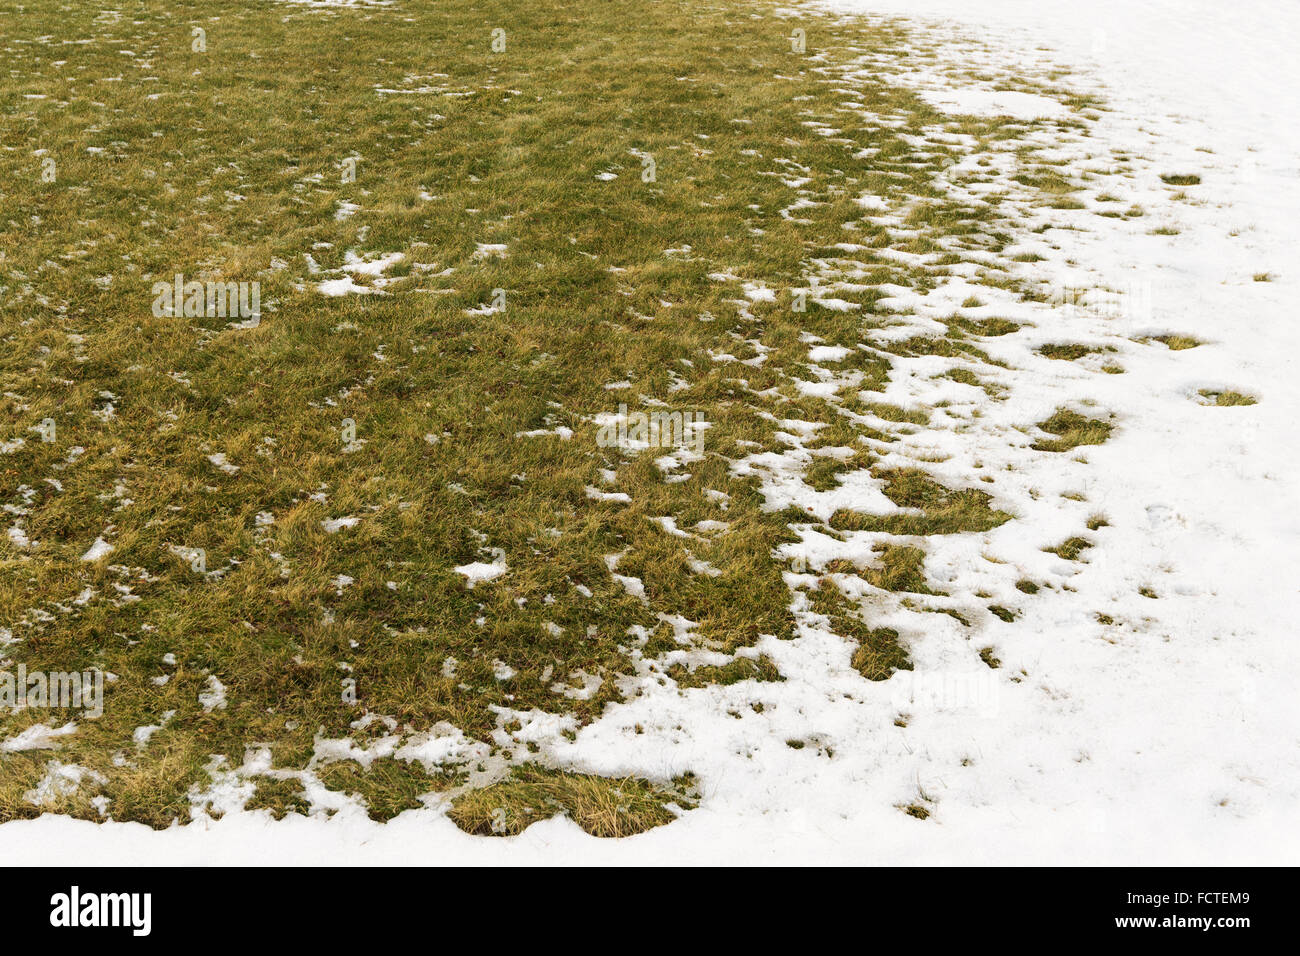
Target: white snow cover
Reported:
point(477, 571)
point(1171, 743)
point(37, 737)
point(97, 550)
point(995, 103)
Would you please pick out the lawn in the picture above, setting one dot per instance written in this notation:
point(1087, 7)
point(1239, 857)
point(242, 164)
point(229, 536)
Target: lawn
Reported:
point(374, 543)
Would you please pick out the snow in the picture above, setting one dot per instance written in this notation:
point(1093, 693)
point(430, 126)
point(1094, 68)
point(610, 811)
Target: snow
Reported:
point(97, 550)
point(563, 432)
point(214, 696)
point(334, 525)
point(355, 265)
point(477, 571)
point(995, 103)
point(344, 285)
point(1177, 742)
point(37, 737)
point(60, 780)
point(219, 461)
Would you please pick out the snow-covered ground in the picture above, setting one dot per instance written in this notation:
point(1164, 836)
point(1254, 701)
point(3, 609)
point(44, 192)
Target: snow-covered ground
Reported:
point(1171, 737)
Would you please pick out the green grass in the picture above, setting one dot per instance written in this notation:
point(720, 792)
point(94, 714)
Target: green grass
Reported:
point(387, 786)
point(880, 651)
point(879, 654)
point(943, 510)
point(601, 806)
point(1226, 398)
point(984, 327)
point(1068, 351)
point(1071, 430)
point(1177, 343)
point(226, 165)
point(1070, 549)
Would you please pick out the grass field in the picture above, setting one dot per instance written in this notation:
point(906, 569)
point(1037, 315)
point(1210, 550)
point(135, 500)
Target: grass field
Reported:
point(373, 541)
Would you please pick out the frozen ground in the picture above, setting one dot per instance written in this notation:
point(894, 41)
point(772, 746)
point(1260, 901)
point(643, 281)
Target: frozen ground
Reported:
point(1168, 735)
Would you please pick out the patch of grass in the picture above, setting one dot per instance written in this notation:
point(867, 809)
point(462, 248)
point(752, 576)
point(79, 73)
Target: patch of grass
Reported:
point(895, 413)
point(917, 809)
point(1002, 613)
point(1026, 586)
point(1072, 430)
point(901, 568)
point(1180, 179)
point(742, 668)
point(826, 471)
point(1071, 548)
point(1068, 351)
point(879, 654)
point(1177, 343)
point(990, 659)
point(987, 328)
point(280, 797)
point(388, 786)
point(603, 807)
point(945, 511)
point(945, 346)
point(1226, 398)
point(964, 376)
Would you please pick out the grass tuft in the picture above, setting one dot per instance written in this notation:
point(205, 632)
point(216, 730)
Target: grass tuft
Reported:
point(1226, 399)
point(944, 511)
point(1177, 343)
point(1072, 430)
point(1068, 351)
point(1071, 548)
point(602, 806)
